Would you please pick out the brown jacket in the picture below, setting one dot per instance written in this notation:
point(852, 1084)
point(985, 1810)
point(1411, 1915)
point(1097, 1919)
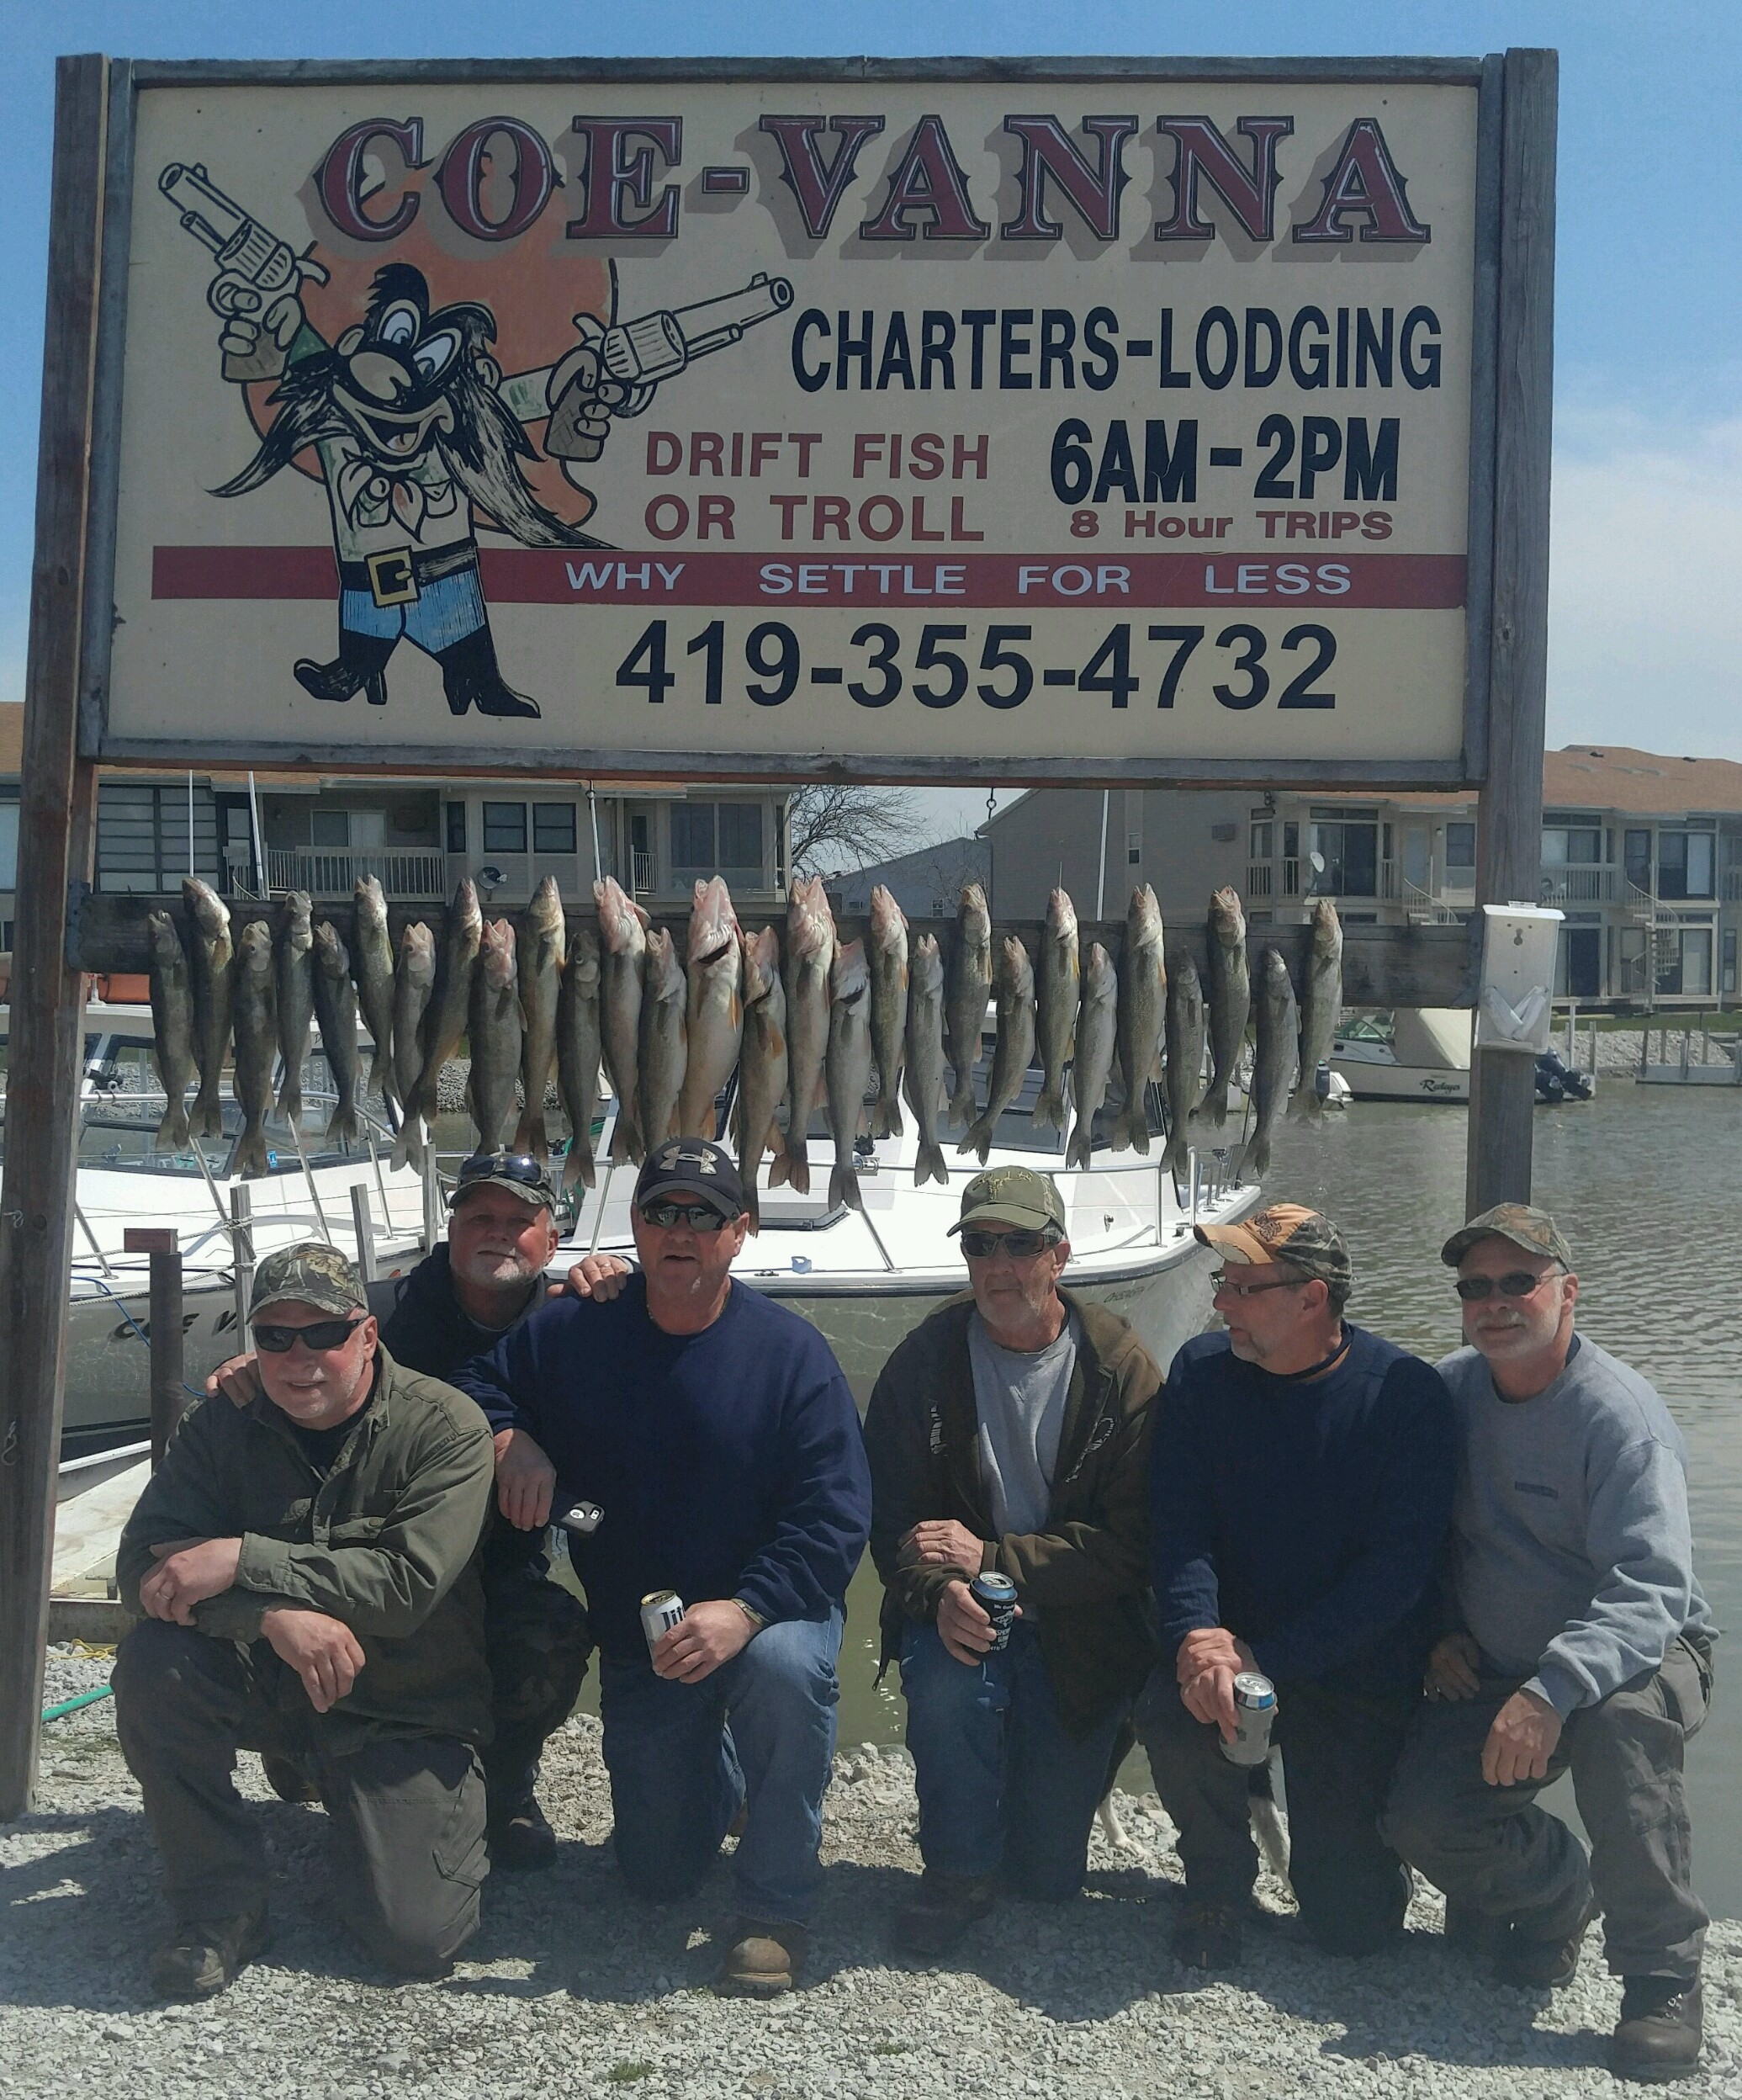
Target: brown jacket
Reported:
point(1086, 1577)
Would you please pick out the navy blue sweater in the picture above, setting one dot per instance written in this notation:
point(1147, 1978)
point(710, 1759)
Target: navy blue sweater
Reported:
point(1307, 1518)
point(729, 1463)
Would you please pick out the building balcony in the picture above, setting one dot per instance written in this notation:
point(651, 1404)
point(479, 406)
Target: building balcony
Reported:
point(1582, 885)
point(329, 874)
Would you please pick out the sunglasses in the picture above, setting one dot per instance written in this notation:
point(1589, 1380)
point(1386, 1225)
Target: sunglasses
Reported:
point(700, 1217)
point(317, 1335)
point(1222, 1288)
point(1019, 1246)
point(1517, 1283)
point(503, 1166)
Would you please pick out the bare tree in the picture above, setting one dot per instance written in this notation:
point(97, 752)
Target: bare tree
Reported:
point(835, 827)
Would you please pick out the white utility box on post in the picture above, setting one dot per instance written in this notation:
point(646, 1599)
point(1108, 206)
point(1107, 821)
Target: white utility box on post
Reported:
point(1517, 996)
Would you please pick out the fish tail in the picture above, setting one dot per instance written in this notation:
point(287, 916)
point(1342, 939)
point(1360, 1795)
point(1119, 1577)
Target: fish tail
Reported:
point(1131, 1131)
point(342, 1129)
point(289, 1103)
point(979, 1137)
point(625, 1139)
point(173, 1132)
point(530, 1136)
point(961, 1102)
point(251, 1154)
point(752, 1208)
point(844, 1188)
point(929, 1166)
point(886, 1117)
point(381, 1077)
point(1174, 1156)
point(578, 1165)
point(1304, 1106)
point(1049, 1111)
point(1077, 1151)
point(208, 1118)
point(797, 1173)
point(1255, 1160)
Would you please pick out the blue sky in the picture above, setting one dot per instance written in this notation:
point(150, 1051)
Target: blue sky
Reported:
point(1646, 641)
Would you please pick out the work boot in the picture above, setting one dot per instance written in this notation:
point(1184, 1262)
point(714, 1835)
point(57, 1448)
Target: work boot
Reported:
point(360, 666)
point(940, 1912)
point(763, 1956)
point(1659, 2033)
point(1477, 1934)
point(1533, 1964)
point(289, 1777)
point(521, 1838)
point(1208, 1935)
point(204, 1958)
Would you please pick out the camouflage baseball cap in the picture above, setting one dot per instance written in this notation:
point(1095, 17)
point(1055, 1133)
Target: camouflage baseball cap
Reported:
point(310, 1273)
point(1011, 1195)
point(1525, 1226)
point(1286, 1233)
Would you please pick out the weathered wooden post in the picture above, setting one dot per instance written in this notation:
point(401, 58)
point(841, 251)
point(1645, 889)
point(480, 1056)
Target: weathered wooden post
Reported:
point(1509, 808)
point(169, 1395)
point(56, 800)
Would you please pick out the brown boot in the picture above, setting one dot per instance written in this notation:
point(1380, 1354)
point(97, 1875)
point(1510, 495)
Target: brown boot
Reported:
point(763, 1958)
point(202, 1960)
point(940, 1911)
point(1658, 2035)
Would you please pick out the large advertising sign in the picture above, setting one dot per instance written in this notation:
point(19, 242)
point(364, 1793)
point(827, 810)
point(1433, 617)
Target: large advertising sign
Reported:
point(1079, 424)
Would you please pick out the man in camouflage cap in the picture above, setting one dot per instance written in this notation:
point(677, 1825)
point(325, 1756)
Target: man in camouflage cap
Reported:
point(304, 1567)
point(1300, 1485)
point(1008, 1435)
point(1581, 1642)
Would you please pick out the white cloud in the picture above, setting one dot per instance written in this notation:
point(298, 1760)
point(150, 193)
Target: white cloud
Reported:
point(1645, 590)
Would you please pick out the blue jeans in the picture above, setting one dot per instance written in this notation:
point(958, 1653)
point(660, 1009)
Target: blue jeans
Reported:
point(678, 1771)
point(1001, 1783)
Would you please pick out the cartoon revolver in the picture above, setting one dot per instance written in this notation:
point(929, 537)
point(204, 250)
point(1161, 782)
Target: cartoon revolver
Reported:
point(258, 277)
point(616, 371)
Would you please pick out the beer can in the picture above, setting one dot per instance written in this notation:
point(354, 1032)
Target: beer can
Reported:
point(1255, 1710)
point(661, 1609)
point(996, 1596)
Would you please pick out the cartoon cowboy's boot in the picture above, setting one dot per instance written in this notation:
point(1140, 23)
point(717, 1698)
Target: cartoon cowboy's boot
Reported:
point(360, 665)
point(471, 677)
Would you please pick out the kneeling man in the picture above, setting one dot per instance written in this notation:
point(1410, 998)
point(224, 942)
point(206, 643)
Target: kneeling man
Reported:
point(306, 1567)
point(1009, 1434)
point(1585, 1644)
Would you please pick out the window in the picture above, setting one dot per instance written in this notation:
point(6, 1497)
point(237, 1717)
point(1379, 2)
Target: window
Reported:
point(1350, 852)
point(1572, 845)
point(552, 827)
point(1637, 849)
point(456, 827)
point(1730, 958)
point(1685, 862)
point(741, 835)
point(708, 837)
point(1262, 837)
point(1461, 846)
point(692, 836)
point(142, 841)
point(328, 828)
point(504, 827)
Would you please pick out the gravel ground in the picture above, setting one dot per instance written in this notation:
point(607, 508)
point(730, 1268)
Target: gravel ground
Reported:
point(572, 1985)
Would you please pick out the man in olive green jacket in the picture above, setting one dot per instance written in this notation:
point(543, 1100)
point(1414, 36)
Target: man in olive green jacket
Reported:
point(305, 1567)
point(1009, 1433)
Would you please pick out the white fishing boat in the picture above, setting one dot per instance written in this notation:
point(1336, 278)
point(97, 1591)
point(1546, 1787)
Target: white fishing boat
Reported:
point(1418, 1053)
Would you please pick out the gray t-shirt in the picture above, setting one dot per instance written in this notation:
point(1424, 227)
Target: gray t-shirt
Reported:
point(1573, 1561)
point(1019, 1396)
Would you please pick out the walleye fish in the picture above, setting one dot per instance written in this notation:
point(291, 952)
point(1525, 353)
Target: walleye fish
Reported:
point(761, 1062)
point(1229, 1000)
point(1058, 987)
point(1097, 1036)
point(849, 1062)
point(211, 970)
point(497, 1031)
point(969, 980)
point(296, 999)
point(922, 1079)
point(1142, 996)
point(1185, 1055)
point(1321, 1007)
point(714, 1013)
point(540, 945)
point(1013, 996)
point(663, 1053)
point(810, 947)
point(577, 1052)
point(622, 959)
point(1279, 1035)
point(256, 1042)
point(171, 1027)
point(336, 1010)
point(371, 966)
point(444, 1020)
point(886, 956)
point(414, 980)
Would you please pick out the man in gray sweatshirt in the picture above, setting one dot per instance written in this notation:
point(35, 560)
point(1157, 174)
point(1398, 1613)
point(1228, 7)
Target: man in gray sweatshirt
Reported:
point(1581, 1642)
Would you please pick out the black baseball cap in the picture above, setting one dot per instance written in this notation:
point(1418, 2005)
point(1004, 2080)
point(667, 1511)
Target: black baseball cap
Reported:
point(518, 1172)
point(692, 1166)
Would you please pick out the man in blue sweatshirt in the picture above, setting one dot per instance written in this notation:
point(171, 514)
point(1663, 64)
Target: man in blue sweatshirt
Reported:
point(1582, 1642)
point(715, 1430)
point(1300, 1487)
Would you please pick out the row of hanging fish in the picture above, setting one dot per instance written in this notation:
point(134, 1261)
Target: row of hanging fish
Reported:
point(803, 1026)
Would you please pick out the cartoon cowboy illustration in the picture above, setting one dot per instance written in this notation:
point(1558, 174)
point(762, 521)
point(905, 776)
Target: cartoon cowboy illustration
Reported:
point(419, 433)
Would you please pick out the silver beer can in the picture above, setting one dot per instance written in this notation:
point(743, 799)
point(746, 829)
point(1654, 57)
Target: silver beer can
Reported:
point(661, 1609)
point(1255, 1708)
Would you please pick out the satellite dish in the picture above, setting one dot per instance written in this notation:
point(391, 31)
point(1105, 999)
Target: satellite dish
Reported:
point(488, 880)
point(1316, 861)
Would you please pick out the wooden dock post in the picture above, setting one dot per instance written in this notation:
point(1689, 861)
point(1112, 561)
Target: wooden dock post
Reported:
point(56, 796)
point(169, 1394)
point(1509, 809)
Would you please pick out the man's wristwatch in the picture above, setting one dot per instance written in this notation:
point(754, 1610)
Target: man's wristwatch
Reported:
point(757, 1622)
